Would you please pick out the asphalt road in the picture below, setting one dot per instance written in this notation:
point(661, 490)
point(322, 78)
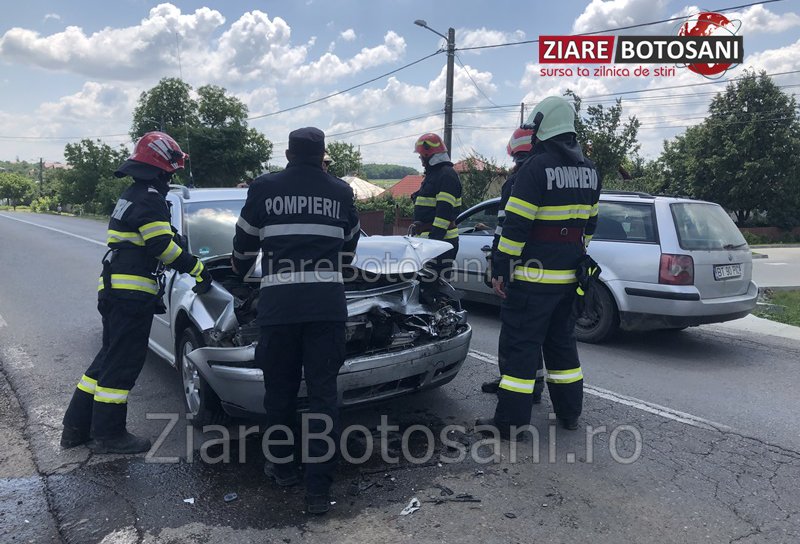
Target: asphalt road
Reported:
point(718, 459)
point(781, 268)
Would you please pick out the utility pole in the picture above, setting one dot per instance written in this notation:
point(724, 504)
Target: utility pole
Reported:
point(448, 100)
point(41, 173)
point(521, 113)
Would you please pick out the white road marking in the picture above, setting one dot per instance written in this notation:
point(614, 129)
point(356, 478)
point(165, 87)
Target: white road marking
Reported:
point(55, 230)
point(643, 405)
point(3, 322)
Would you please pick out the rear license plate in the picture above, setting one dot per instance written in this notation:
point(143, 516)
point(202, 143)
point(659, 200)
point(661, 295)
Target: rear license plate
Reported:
point(727, 271)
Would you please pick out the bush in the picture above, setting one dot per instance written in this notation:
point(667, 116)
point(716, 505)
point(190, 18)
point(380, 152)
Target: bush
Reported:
point(44, 204)
point(108, 192)
point(389, 205)
point(754, 239)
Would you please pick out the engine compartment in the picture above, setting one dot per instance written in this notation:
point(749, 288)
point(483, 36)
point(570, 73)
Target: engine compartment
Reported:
point(385, 312)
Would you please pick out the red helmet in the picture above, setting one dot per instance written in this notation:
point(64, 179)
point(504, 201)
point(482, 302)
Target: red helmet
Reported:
point(159, 149)
point(429, 144)
point(521, 141)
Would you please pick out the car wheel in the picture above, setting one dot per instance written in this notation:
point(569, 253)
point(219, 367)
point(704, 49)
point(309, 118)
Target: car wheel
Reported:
point(600, 319)
point(198, 398)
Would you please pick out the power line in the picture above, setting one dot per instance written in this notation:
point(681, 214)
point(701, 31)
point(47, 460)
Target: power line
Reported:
point(337, 93)
point(57, 138)
point(474, 83)
point(628, 27)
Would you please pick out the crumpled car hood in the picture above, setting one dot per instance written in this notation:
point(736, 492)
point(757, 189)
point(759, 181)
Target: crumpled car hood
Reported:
point(396, 254)
point(384, 254)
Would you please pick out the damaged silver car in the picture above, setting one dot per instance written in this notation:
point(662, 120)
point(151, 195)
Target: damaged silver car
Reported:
point(396, 344)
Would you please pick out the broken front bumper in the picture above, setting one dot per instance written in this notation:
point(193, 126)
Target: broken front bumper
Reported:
point(362, 379)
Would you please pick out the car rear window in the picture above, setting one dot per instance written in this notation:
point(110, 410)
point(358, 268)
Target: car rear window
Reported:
point(702, 225)
point(626, 222)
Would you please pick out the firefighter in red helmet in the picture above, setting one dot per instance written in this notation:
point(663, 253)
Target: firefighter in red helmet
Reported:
point(437, 202)
point(519, 149)
point(141, 243)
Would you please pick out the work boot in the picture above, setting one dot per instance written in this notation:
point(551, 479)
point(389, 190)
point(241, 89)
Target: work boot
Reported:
point(72, 437)
point(491, 387)
point(318, 504)
point(569, 423)
point(126, 443)
point(502, 430)
point(285, 475)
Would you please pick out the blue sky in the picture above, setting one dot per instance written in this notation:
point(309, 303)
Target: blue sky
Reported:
point(74, 69)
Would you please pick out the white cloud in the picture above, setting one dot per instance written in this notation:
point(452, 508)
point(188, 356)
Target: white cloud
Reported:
point(124, 53)
point(53, 16)
point(348, 35)
point(760, 19)
point(783, 59)
point(330, 67)
point(252, 48)
point(602, 14)
point(482, 36)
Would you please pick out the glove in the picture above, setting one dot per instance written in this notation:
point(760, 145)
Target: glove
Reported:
point(587, 273)
point(203, 284)
point(180, 239)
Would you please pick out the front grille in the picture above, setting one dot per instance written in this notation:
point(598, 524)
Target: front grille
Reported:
point(396, 386)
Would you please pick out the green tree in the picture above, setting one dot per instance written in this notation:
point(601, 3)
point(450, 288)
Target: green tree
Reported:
point(92, 163)
point(168, 107)
point(387, 171)
point(212, 129)
point(478, 177)
point(346, 159)
point(17, 188)
point(606, 138)
point(744, 156)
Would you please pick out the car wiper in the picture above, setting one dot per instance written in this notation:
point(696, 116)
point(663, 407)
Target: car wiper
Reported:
point(736, 246)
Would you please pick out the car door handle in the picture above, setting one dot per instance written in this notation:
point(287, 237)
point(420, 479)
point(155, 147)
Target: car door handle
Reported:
point(486, 248)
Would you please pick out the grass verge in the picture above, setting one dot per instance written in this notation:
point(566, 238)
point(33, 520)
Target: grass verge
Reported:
point(782, 306)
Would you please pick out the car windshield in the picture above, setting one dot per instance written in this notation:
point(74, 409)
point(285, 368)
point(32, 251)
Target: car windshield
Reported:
point(705, 226)
point(210, 226)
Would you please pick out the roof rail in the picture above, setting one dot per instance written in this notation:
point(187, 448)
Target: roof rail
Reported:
point(627, 193)
point(182, 188)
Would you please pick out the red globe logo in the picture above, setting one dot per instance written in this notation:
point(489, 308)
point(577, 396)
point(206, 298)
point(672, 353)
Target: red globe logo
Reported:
point(709, 24)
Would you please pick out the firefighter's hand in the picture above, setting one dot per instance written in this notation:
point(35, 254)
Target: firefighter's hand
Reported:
point(499, 287)
point(203, 284)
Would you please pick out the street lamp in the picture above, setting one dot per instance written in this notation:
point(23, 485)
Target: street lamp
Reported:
point(448, 100)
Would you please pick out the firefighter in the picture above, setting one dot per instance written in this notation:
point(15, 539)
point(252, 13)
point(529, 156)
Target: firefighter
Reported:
point(550, 217)
point(327, 162)
point(305, 223)
point(437, 203)
point(519, 149)
point(141, 243)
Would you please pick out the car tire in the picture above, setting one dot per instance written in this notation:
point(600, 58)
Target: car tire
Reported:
point(600, 319)
point(199, 399)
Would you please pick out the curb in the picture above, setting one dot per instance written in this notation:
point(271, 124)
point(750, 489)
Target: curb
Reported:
point(763, 288)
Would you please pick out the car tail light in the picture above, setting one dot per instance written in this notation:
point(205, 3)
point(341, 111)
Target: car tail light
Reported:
point(676, 270)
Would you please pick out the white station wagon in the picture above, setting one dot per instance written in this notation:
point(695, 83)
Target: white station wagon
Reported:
point(668, 263)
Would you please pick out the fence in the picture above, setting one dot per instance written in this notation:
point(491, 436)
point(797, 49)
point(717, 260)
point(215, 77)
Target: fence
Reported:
point(773, 234)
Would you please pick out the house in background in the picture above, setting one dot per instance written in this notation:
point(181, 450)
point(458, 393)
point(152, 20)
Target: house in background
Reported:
point(406, 186)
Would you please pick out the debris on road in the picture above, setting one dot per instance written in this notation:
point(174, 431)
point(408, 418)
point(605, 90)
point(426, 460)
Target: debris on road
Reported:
point(230, 497)
point(510, 515)
point(190, 500)
point(444, 489)
point(462, 497)
point(412, 507)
